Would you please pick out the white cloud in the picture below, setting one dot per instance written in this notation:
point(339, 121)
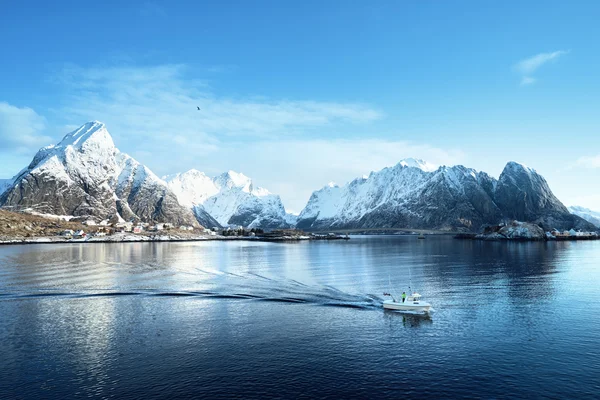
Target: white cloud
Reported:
point(155, 110)
point(152, 112)
point(589, 162)
point(529, 65)
point(21, 129)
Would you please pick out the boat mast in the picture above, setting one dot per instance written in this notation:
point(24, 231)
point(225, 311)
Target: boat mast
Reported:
point(390, 286)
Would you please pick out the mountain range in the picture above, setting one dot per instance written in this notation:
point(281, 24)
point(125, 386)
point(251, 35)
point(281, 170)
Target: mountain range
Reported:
point(231, 198)
point(85, 175)
point(590, 216)
point(413, 194)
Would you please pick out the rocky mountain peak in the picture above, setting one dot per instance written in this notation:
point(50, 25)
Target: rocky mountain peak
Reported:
point(232, 179)
point(85, 175)
point(92, 135)
point(418, 163)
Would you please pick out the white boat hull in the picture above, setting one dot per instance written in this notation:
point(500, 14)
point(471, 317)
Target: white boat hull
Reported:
point(417, 306)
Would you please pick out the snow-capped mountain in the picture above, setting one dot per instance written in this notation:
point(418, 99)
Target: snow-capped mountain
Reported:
point(590, 216)
point(413, 195)
point(86, 175)
point(231, 198)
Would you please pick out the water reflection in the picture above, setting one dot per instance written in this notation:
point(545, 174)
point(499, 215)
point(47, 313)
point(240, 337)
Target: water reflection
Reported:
point(228, 319)
point(408, 320)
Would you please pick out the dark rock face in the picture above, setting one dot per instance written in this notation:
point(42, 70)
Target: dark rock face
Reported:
point(450, 198)
point(86, 175)
point(204, 218)
point(524, 195)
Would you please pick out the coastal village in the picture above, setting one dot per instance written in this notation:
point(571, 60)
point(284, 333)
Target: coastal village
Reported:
point(16, 227)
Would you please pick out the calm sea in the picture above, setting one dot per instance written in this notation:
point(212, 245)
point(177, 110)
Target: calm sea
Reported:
point(300, 320)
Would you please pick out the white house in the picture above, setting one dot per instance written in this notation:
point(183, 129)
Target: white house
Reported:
point(158, 227)
point(89, 222)
point(68, 233)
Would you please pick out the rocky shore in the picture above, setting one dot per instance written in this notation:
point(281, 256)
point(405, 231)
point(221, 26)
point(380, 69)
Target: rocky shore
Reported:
point(520, 231)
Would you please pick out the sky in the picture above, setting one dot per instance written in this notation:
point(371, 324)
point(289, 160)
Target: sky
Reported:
point(297, 94)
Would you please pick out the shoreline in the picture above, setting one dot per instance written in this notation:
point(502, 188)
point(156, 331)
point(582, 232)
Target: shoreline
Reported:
point(491, 238)
point(159, 238)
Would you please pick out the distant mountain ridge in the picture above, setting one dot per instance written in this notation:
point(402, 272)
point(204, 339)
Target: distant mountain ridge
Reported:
point(591, 216)
point(231, 198)
point(86, 175)
point(410, 195)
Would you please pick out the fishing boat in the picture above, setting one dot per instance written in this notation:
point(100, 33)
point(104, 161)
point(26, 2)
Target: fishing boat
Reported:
point(412, 302)
point(421, 236)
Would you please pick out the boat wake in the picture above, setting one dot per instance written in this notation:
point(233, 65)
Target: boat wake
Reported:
point(217, 285)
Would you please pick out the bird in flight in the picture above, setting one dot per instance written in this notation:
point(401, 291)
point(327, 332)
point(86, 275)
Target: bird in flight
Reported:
point(198, 108)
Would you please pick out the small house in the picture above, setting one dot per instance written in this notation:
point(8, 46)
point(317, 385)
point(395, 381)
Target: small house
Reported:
point(138, 229)
point(158, 227)
point(67, 233)
point(79, 234)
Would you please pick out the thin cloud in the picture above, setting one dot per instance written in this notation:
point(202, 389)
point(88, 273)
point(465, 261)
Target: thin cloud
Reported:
point(164, 100)
point(21, 129)
point(588, 162)
point(530, 65)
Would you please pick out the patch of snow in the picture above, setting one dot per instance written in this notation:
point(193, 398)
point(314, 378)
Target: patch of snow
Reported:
point(418, 163)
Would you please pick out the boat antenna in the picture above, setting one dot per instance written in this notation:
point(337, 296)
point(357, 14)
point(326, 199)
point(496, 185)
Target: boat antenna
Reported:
point(390, 286)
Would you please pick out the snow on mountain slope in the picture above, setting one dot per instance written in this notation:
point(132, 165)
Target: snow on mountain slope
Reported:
point(86, 175)
point(591, 216)
point(413, 195)
point(231, 198)
point(192, 187)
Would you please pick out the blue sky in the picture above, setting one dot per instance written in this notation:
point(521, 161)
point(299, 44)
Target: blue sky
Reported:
point(297, 94)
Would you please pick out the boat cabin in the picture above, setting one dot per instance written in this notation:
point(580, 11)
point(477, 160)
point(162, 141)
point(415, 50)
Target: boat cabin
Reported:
point(414, 297)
